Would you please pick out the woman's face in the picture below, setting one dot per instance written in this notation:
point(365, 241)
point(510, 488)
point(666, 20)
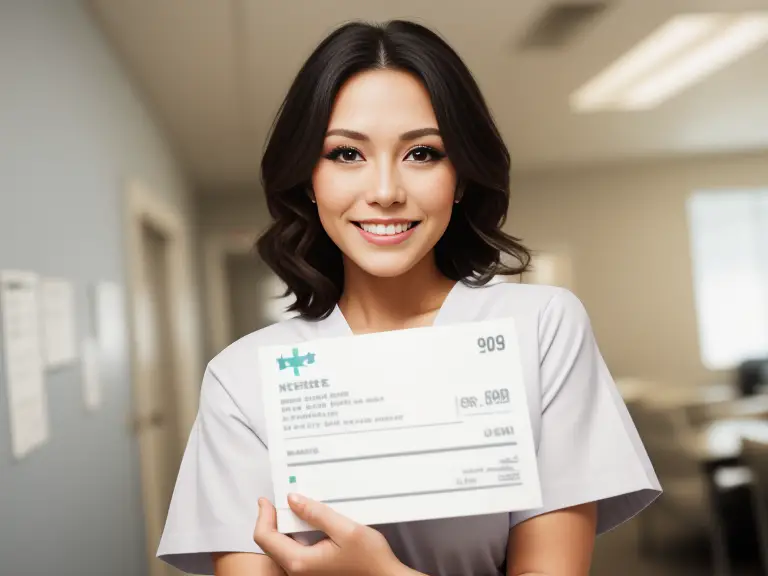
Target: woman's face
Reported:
point(384, 187)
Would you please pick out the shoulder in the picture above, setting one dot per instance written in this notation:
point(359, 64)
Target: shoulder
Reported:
point(543, 314)
point(545, 302)
point(242, 353)
point(236, 368)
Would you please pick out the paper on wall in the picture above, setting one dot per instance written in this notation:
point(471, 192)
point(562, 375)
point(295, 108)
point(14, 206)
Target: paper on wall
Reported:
point(90, 374)
point(23, 361)
point(58, 310)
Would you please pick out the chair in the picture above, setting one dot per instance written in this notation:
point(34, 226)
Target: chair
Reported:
point(690, 497)
point(751, 375)
point(679, 475)
point(755, 455)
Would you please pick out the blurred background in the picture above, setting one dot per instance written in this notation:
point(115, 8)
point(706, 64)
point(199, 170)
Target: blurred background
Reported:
point(130, 141)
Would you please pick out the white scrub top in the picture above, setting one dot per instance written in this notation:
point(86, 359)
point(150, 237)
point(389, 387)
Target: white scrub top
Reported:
point(588, 448)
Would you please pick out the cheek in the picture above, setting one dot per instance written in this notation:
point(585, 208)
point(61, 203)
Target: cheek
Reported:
point(333, 194)
point(435, 194)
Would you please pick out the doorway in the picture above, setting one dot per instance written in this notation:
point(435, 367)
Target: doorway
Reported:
point(246, 277)
point(155, 428)
point(165, 376)
point(242, 294)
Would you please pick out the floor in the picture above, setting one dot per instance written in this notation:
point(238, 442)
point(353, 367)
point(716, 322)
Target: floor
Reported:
point(617, 553)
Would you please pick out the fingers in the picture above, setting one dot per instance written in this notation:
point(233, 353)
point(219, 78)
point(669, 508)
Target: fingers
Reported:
point(280, 547)
point(322, 517)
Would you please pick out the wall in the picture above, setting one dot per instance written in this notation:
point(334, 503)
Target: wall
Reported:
point(248, 295)
point(228, 224)
point(71, 130)
point(626, 232)
point(244, 211)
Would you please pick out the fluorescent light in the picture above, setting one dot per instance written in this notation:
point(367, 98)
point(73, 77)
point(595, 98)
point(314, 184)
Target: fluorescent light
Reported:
point(681, 52)
point(667, 41)
point(744, 35)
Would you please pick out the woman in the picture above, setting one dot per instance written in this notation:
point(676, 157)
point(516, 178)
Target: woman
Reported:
point(388, 184)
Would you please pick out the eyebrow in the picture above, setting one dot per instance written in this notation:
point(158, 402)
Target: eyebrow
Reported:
point(405, 136)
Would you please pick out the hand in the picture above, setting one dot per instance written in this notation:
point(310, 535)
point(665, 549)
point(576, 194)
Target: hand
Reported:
point(351, 549)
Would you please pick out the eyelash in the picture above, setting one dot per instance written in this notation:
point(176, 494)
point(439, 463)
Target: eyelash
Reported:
point(335, 154)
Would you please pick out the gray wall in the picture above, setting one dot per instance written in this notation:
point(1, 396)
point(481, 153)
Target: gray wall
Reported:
point(71, 129)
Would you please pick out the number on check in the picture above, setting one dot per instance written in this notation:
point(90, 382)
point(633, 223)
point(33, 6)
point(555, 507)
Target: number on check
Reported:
point(494, 397)
point(491, 343)
point(498, 396)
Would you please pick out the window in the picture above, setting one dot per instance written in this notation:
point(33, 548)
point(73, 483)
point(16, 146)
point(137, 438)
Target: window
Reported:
point(729, 250)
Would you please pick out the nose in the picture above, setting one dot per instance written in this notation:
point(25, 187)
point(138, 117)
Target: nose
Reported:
point(387, 190)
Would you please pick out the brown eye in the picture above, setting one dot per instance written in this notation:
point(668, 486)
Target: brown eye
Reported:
point(349, 155)
point(422, 154)
point(344, 155)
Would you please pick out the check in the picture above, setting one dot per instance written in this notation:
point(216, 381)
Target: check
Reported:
point(400, 426)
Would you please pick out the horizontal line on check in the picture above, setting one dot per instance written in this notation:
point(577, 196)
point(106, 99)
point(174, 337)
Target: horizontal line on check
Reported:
point(401, 454)
point(424, 493)
point(386, 429)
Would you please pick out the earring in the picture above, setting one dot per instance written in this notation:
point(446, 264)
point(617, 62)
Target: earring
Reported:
point(459, 194)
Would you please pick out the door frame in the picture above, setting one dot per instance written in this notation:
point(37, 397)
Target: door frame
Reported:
point(144, 207)
point(216, 247)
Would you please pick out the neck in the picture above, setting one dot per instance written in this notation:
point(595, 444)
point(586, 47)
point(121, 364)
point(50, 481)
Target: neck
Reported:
point(373, 304)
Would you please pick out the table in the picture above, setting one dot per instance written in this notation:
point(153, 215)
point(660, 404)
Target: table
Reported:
point(719, 442)
point(672, 397)
point(718, 445)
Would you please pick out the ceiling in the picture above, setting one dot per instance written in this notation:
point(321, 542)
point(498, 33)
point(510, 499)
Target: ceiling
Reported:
point(215, 72)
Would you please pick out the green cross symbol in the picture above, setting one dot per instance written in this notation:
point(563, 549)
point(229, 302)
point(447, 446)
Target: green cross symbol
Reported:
point(295, 361)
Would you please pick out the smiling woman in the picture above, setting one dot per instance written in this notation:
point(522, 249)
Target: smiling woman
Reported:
point(388, 185)
point(375, 116)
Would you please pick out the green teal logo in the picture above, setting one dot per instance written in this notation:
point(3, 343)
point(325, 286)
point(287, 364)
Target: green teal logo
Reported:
point(295, 361)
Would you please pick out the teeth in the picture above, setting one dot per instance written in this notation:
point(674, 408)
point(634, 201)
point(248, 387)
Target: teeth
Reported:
point(386, 229)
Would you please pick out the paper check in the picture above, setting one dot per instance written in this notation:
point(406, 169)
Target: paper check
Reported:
point(401, 426)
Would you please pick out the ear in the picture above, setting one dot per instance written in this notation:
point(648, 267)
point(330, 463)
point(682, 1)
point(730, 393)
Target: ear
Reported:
point(311, 194)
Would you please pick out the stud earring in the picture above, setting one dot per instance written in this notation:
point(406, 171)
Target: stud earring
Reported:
point(459, 194)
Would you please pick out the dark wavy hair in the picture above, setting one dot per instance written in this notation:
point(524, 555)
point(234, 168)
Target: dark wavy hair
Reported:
point(297, 247)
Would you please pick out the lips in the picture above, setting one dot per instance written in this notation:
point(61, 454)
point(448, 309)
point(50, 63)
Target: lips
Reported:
point(386, 229)
point(386, 232)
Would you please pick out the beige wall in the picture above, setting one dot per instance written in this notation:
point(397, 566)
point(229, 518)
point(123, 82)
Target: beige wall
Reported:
point(625, 229)
point(246, 212)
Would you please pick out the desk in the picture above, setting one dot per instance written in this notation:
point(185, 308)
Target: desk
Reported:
point(719, 442)
point(746, 406)
point(717, 446)
point(683, 396)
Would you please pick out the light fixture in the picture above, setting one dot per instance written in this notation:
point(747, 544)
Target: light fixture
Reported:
point(678, 54)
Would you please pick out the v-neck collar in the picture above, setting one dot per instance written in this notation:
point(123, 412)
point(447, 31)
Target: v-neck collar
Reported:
point(337, 324)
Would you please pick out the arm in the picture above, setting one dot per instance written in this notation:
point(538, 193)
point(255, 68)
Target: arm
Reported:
point(237, 564)
point(559, 543)
point(240, 564)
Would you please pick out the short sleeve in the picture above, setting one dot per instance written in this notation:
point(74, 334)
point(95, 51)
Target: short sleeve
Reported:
point(224, 471)
point(589, 449)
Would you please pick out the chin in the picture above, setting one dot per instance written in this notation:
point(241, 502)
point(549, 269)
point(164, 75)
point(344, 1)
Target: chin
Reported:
point(383, 267)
